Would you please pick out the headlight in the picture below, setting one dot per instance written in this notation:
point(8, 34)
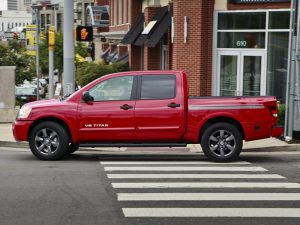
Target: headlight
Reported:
point(24, 112)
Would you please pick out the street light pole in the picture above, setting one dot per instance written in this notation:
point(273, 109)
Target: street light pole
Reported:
point(69, 49)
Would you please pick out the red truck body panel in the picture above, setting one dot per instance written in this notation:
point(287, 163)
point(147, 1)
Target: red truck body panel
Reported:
point(151, 120)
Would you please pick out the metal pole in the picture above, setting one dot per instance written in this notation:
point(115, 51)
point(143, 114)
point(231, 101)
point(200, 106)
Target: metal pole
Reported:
point(51, 74)
point(69, 49)
point(37, 40)
point(55, 18)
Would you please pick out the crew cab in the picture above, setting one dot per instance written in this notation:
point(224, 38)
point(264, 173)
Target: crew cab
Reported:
point(145, 108)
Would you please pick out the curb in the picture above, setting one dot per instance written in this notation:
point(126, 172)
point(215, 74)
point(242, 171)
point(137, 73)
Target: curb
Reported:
point(12, 144)
point(290, 147)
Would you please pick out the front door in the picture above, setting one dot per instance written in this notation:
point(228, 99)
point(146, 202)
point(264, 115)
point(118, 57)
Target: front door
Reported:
point(110, 116)
point(241, 73)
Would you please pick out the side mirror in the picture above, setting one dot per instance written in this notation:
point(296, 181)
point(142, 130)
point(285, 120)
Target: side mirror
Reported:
point(86, 97)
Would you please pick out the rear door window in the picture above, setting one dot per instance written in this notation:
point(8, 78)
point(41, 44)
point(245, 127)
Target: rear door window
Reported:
point(158, 87)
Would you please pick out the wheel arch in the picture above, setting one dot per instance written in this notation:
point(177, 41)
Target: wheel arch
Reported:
point(51, 119)
point(221, 119)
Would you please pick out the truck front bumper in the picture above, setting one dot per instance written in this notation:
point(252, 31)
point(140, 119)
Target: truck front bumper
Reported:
point(277, 131)
point(20, 130)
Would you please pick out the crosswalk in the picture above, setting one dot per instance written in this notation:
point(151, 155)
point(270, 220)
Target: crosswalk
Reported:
point(141, 185)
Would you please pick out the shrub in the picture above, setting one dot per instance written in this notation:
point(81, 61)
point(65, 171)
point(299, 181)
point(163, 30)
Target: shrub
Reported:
point(87, 72)
point(281, 114)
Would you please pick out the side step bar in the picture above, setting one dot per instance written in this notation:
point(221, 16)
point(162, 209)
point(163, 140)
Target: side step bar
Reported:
point(119, 145)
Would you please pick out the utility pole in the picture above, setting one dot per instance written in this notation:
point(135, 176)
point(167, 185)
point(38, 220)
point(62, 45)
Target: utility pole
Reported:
point(292, 116)
point(69, 49)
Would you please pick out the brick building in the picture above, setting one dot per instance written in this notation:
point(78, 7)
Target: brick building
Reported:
point(228, 47)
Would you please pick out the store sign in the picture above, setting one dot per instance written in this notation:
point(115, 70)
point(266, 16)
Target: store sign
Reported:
point(257, 1)
point(84, 33)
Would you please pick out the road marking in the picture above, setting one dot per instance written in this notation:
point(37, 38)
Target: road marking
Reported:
point(208, 196)
point(206, 185)
point(178, 168)
point(194, 176)
point(212, 212)
point(172, 163)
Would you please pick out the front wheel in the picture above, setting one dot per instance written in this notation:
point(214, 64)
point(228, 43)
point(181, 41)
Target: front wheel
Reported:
point(222, 142)
point(49, 141)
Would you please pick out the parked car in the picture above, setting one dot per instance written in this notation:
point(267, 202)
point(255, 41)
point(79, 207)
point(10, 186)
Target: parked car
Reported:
point(145, 108)
point(25, 94)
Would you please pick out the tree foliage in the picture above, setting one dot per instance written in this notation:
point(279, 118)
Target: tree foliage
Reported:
point(15, 55)
point(58, 53)
point(87, 72)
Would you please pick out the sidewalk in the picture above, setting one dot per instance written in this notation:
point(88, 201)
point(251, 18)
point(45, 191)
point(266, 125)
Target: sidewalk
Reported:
point(269, 144)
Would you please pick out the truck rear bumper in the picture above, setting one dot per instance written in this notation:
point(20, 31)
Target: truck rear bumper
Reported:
point(277, 131)
point(21, 129)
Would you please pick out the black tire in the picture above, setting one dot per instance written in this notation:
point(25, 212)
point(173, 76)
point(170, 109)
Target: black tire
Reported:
point(222, 142)
point(49, 141)
point(72, 148)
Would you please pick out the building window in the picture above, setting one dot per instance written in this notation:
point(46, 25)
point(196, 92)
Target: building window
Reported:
point(125, 11)
point(279, 20)
point(120, 11)
point(115, 12)
point(242, 21)
point(241, 40)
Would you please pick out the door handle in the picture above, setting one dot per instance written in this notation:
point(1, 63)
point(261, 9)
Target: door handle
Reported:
point(173, 105)
point(126, 107)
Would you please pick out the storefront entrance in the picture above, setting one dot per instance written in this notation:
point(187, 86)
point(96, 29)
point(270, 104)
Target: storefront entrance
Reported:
point(241, 73)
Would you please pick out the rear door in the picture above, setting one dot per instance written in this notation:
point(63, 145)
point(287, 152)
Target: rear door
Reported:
point(159, 110)
point(110, 117)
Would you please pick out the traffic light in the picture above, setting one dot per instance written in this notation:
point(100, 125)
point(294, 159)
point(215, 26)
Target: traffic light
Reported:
point(84, 33)
point(51, 40)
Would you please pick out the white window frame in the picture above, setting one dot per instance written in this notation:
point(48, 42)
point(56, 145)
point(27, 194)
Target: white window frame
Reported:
point(215, 77)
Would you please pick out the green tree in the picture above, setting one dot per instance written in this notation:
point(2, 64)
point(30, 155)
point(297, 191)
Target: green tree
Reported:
point(87, 72)
point(58, 53)
point(15, 55)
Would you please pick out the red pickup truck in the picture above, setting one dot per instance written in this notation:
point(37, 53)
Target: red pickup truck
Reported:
point(145, 108)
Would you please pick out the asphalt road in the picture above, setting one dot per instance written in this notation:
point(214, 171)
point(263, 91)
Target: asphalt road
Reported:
point(110, 189)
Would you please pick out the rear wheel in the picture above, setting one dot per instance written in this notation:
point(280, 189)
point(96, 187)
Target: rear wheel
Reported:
point(222, 142)
point(49, 141)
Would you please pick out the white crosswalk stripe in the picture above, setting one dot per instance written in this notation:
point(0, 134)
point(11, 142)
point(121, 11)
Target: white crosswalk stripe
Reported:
point(212, 212)
point(180, 168)
point(194, 176)
point(171, 163)
point(208, 196)
point(240, 176)
point(206, 185)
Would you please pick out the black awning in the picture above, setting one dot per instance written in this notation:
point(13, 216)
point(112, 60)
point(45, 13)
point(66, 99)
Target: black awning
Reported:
point(163, 18)
point(135, 30)
point(159, 31)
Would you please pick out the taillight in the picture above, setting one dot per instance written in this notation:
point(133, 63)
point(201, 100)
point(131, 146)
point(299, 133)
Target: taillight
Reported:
point(273, 109)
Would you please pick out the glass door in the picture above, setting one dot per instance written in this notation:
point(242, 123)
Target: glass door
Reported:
point(254, 80)
point(228, 71)
point(241, 73)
